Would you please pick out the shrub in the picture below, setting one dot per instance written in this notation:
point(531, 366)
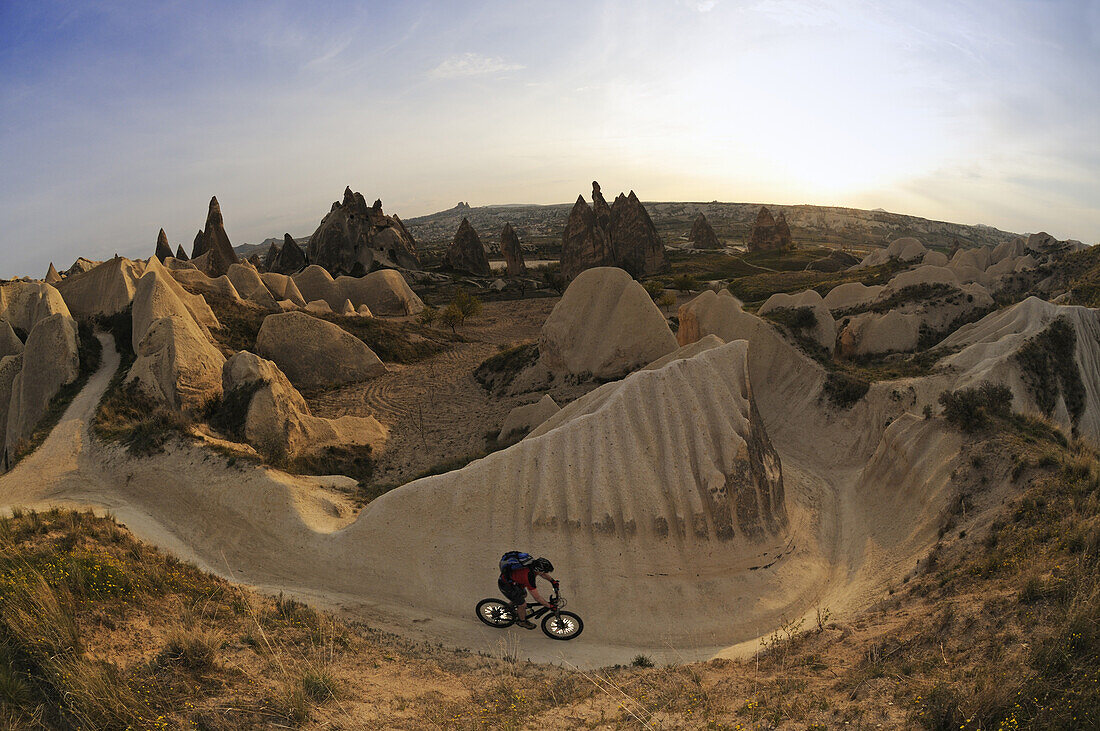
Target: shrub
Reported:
point(843, 390)
point(1048, 367)
point(666, 300)
point(451, 317)
point(428, 316)
point(796, 319)
point(193, 648)
point(654, 288)
point(466, 304)
point(970, 409)
point(642, 661)
point(684, 282)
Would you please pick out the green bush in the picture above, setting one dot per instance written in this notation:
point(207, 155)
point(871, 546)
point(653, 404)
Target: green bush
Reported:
point(971, 409)
point(843, 390)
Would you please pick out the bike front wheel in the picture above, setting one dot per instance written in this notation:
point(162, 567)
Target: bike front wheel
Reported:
point(495, 613)
point(562, 625)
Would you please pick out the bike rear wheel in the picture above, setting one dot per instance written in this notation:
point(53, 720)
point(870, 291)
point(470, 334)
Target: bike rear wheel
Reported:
point(495, 613)
point(562, 626)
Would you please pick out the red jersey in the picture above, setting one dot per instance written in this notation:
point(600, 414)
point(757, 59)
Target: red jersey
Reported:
point(524, 577)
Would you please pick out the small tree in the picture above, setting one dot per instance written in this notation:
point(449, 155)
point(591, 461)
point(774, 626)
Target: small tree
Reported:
point(666, 300)
point(466, 304)
point(554, 279)
point(428, 315)
point(654, 288)
point(451, 317)
point(684, 282)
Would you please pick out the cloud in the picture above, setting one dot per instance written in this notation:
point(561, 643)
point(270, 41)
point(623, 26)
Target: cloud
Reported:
point(702, 6)
point(471, 64)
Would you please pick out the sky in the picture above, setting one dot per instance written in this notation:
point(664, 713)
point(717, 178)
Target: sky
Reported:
point(119, 118)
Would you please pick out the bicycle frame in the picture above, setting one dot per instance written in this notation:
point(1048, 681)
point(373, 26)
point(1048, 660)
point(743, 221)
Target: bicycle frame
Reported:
point(536, 610)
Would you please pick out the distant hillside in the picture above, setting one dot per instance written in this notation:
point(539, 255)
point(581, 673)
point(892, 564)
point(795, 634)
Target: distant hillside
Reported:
point(542, 225)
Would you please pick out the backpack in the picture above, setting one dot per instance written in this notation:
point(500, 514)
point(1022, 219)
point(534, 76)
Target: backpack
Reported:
point(513, 560)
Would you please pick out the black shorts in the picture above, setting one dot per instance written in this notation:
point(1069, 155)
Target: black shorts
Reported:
point(514, 592)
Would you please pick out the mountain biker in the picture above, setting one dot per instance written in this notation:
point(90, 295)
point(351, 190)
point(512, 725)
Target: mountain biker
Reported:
point(515, 584)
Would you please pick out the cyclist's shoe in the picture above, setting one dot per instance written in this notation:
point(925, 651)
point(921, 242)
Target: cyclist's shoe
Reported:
point(526, 624)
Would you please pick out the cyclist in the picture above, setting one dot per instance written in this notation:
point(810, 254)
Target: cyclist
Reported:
point(516, 583)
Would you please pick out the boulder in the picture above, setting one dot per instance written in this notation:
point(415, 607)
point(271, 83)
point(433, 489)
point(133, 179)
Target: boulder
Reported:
point(215, 243)
point(24, 303)
point(824, 330)
point(10, 344)
point(176, 363)
point(512, 252)
point(290, 259)
point(353, 237)
point(906, 249)
point(605, 325)
point(585, 243)
point(702, 236)
point(877, 333)
point(250, 286)
point(283, 287)
point(717, 314)
point(770, 233)
point(278, 422)
point(104, 290)
point(52, 277)
point(935, 258)
point(851, 294)
point(220, 286)
point(634, 239)
point(318, 307)
point(976, 258)
point(347, 309)
point(385, 292)
point(315, 353)
point(523, 419)
point(498, 285)
point(51, 359)
point(363, 311)
point(163, 250)
point(315, 283)
point(466, 253)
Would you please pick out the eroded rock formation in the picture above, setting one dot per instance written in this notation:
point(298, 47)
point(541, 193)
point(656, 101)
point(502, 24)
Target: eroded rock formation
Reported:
point(702, 235)
point(585, 243)
point(215, 243)
point(353, 238)
point(770, 233)
point(512, 252)
point(619, 235)
point(467, 254)
point(163, 250)
point(634, 239)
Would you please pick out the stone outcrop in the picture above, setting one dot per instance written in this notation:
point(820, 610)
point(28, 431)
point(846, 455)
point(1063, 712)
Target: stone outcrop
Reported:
point(278, 422)
point(283, 288)
point(163, 250)
point(634, 239)
point(270, 257)
point(215, 243)
point(81, 265)
point(10, 368)
point(605, 325)
point(105, 290)
point(585, 243)
point(250, 287)
point(290, 259)
point(354, 238)
point(24, 303)
point(156, 297)
point(619, 235)
point(823, 330)
point(467, 254)
point(522, 419)
point(52, 277)
point(50, 360)
point(181, 255)
point(314, 353)
point(315, 283)
point(512, 252)
point(770, 233)
point(196, 280)
point(10, 344)
point(384, 292)
point(702, 236)
point(197, 247)
point(176, 364)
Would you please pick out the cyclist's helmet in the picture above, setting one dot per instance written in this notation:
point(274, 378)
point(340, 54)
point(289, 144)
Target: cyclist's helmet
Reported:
point(542, 565)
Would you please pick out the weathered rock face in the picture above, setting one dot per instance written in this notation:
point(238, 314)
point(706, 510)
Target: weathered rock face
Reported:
point(585, 243)
point(823, 329)
point(315, 283)
point(176, 364)
point(23, 304)
point(522, 419)
point(512, 252)
point(52, 277)
point(605, 325)
point(467, 253)
point(10, 344)
point(279, 423)
point(250, 287)
point(353, 237)
point(50, 360)
point(194, 303)
point(80, 265)
point(384, 292)
point(702, 235)
point(10, 367)
point(314, 353)
point(105, 290)
point(770, 233)
point(290, 259)
point(270, 256)
point(619, 235)
point(282, 288)
point(634, 239)
point(215, 243)
point(198, 247)
point(163, 250)
point(181, 254)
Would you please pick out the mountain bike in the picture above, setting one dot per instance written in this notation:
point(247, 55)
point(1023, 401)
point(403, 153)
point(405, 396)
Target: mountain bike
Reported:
point(556, 624)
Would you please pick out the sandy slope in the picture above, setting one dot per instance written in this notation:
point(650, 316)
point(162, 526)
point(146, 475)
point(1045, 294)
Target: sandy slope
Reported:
point(417, 559)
